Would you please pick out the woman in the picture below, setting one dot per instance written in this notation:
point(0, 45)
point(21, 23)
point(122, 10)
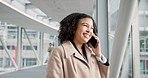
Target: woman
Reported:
point(76, 57)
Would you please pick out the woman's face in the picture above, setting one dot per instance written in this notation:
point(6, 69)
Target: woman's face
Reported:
point(84, 30)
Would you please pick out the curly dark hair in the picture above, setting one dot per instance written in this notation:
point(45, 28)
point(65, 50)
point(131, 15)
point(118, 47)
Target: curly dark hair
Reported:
point(69, 25)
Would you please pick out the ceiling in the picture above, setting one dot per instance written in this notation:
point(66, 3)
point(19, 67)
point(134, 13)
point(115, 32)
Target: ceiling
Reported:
point(56, 9)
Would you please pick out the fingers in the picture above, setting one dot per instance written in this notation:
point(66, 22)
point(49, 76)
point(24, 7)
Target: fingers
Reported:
point(89, 44)
point(96, 37)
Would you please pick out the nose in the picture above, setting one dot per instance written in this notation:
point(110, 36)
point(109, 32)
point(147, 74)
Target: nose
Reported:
point(89, 29)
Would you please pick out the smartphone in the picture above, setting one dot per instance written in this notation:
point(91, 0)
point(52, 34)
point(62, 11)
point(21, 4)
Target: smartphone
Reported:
point(93, 42)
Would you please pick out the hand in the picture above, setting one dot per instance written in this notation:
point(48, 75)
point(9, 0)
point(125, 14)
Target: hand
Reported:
point(96, 50)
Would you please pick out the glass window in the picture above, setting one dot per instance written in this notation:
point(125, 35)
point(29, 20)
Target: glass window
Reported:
point(146, 66)
point(146, 19)
point(11, 27)
point(1, 47)
point(28, 47)
point(6, 62)
point(35, 47)
point(51, 37)
point(142, 66)
point(141, 45)
point(12, 34)
point(146, 44)
point(10, 47)
point(1, 62)
point(31, 35)
point(141, 20)
point(29, 62)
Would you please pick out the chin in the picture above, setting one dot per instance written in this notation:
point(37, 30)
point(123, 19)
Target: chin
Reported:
point(85, 41)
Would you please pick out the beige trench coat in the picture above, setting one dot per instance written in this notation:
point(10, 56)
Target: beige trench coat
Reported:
point(66, 62)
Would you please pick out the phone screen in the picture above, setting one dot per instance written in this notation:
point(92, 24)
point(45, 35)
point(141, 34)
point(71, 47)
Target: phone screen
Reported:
point(93, 42)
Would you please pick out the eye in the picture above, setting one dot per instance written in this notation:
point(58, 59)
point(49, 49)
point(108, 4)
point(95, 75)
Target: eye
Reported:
point(85, 25)
point(92, 27)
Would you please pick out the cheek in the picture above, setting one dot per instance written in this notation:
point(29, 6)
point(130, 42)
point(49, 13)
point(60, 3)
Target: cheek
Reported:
point(81, 30)
point(91, 32)
point(78, 33)
point(84, 29)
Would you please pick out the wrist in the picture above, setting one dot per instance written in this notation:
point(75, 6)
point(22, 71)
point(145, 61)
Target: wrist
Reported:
point(98, 54)
point(101, 58)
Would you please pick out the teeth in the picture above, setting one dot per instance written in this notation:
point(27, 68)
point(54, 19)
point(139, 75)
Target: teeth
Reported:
point(87, 36)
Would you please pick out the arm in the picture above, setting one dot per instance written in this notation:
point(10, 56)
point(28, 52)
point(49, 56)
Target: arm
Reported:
point(54, 66)
point(103, 66)
point(102, 61)
point(104, 70)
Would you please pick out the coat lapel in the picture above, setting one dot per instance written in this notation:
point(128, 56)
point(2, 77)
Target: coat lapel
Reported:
point(70, 50)
point(89, 53)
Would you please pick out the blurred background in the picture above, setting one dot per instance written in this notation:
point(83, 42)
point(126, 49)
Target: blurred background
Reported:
point(29, 30)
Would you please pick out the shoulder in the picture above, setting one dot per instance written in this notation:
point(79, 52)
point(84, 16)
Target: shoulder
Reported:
point(58, 51)
point(65, 50)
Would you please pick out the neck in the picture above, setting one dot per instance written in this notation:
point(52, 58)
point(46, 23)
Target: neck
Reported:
point(78, 44)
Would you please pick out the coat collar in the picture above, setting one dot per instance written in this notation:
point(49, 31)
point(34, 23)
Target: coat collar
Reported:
point(70, 50)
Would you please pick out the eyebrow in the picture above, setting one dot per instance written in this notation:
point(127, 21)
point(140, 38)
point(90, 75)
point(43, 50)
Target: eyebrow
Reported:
point(86, 23)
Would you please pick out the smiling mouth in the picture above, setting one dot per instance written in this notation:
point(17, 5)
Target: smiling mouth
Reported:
point(86, 36)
